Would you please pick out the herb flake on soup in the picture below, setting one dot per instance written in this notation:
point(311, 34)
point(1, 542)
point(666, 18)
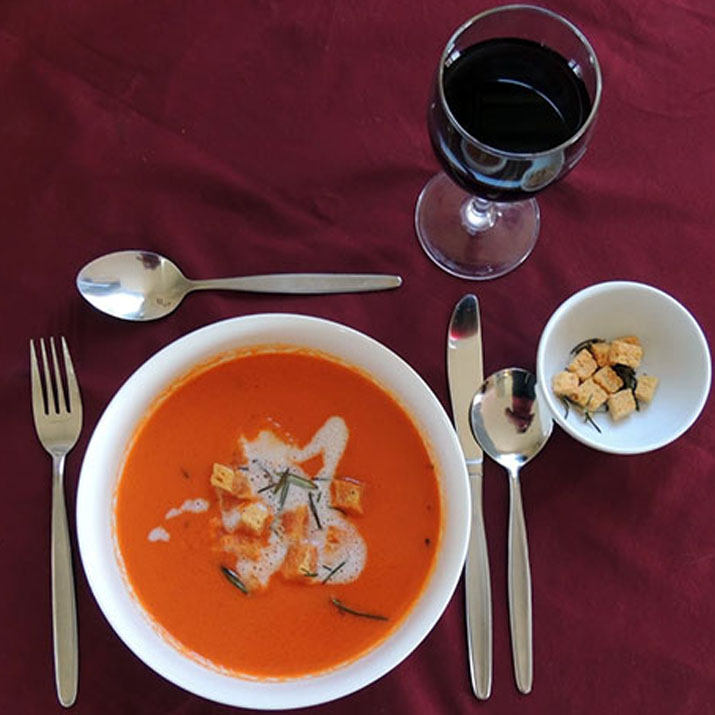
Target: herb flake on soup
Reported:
point(278, 513)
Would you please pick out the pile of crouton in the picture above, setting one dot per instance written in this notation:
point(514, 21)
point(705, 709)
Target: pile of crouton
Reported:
point(592, 380)
point(245, 533)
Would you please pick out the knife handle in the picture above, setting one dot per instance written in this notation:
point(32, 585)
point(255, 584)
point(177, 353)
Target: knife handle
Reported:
point(520, 617)
point(479, 599)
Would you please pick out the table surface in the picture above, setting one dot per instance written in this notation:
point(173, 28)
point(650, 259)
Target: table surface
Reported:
point(254, 137)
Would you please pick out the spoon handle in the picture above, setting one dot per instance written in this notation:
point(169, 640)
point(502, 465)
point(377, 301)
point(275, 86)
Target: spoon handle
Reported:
point(520, 617)
point(302, 283)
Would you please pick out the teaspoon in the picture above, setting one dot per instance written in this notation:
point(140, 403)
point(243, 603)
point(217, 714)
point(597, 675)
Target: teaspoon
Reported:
point(511, 428)
point(141, 285)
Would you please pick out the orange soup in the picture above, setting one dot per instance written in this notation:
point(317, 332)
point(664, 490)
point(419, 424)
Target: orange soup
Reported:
point(277, 513)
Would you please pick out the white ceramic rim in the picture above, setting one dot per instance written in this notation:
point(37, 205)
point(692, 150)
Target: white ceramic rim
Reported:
point(100, 470)
point(543, 379)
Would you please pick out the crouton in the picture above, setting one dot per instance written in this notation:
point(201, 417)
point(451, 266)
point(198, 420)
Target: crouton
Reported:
point(646, 387)
point(564, 383)
point(241, 545)
point(346, 495)
point(589, 395)
point(254, 518)
point(301, 560)
point(622, 353)
point(295, 523)
point(231, 481)
point(630, 339)
point(608, 379)
point(621, 404)
point(600, 352)
point(583, 365)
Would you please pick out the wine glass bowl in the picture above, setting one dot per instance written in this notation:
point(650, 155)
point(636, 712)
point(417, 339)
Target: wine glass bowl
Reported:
point(513, 105)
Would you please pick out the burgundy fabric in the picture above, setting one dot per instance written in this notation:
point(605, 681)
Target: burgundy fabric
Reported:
point(249, 137)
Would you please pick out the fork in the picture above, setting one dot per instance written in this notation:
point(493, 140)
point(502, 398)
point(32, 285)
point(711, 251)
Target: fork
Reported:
point(58, 422)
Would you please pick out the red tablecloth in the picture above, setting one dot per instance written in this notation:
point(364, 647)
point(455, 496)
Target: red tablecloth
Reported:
point(250, 137)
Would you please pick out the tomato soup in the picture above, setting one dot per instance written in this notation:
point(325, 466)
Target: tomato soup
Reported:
point(277, 513)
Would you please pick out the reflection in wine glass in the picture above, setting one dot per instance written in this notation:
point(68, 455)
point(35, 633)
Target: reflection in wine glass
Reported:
point(513, 105)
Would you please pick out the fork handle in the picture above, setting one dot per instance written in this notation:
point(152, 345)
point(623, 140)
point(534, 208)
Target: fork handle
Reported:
point(64, 614)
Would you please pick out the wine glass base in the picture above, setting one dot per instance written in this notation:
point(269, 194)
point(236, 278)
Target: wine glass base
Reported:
point(471, 238)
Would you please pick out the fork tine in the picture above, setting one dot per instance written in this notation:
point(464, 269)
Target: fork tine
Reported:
point(38, 401)
point(75, 402)
point(49, 387)
point(61, 404)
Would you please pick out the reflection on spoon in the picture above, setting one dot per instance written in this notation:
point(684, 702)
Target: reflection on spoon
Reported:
point(511, 428)
point(141, 285)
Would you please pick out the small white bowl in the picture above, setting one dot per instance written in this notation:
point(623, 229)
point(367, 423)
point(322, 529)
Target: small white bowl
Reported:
point(104, 457)
point(674, 349)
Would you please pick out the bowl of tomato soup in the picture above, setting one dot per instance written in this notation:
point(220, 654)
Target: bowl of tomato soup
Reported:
point(272, 511)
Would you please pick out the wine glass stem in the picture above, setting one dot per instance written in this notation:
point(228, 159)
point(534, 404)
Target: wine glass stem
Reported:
point(478, 215)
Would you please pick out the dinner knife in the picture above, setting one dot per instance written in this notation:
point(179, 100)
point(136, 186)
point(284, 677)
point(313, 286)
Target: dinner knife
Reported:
point(465, 374)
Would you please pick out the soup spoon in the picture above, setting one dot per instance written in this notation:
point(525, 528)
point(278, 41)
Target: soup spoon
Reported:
point(511, 428)
point(141, 285)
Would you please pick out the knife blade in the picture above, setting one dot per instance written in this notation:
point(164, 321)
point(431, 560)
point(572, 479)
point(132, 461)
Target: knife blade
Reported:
point(465, 374)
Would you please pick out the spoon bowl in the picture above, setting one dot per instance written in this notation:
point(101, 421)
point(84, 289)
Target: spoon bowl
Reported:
point(507, 418)
point(512, 428)
point(142, 285)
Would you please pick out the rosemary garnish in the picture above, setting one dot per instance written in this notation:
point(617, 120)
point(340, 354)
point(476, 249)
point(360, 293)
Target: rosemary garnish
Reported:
point(333, 571)
point(587, 414)
point(345, 609)
point(309, 574)
point(266, 488)
point(589, 419)
point(233, 578)
point(585, 344)
point(314, 511)
point(284, 487)
point(301, 481)
point(630, 381)
point(566, 403)
point(286, 478)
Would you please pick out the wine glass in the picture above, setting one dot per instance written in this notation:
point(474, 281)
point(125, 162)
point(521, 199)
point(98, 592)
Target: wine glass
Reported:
point(513, 104)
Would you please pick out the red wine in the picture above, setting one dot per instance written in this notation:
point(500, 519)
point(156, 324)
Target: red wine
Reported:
point(514, 96)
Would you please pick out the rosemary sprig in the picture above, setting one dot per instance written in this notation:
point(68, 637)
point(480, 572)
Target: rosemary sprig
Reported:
point(284, 487)
point(630, 381)
point(333, 571)
point(285, 480)
point(309, 574)
point(567, 406)
point(233, 578)
point(345, 609)
point(590, 420)
point(301, 481)
point(587, 414)
point(314, 511)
